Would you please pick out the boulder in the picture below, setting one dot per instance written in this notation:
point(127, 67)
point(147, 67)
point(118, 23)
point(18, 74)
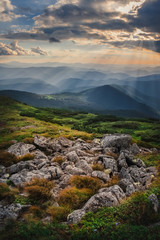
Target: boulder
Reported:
point(15, 168)
point(134, 149)
point(84, 166)
point(25, 176)
point(47, 143)
point(55, 172)
point(75, 216)
point(116, 191)
point(39, 155)
point(101, 175)
point(110, 163)
point(74, 170)
point(72, 156)
point(64, 142)
point(119, 141)
point(20, 149)
point(103, 199)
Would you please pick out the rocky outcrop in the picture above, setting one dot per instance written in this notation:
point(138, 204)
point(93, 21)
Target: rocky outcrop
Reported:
point(78, 159)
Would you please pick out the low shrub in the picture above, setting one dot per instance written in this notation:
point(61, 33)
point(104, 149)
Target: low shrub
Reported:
point(114, 180)
point(7, 159)
point(39, 189)
point(97, 167)
point(26, 157)
point(6, 193)
point(91, 183)
point(5, 145)
point(59, 214)
point(36, 211)
point(114, 155)
point(59, 159)
point(74, 198)
point(28, 140)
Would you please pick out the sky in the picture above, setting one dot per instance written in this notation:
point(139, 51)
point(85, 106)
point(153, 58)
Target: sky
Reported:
point(80, 31)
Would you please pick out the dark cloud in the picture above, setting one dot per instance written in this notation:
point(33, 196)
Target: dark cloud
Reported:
point(76, 14)
point(115, 24)
point(139, 44)
point(28, 35)
point(149, 16)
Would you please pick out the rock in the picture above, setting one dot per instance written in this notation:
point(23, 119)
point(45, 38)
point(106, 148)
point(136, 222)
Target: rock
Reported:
point(41, 141)
point(101, 175)
point(74, 171)
point(96, 149)
point(134, 149)
point(47, 143)
point(116, 191)
point(75, 216)
point(122, 161)
point(20, 149)
point(55, 192)
point(84, 166)
point(154, 200)
point(152, 170)
point(55, 172)
point(65, 164)
point(119, 141)
point(64, 180)
point(28, 127)
point(72, 156)
point(138, 162)
point(2, 170)
point(130, 189)
point(103, 199)
point(81, 153)
point(127, 186)
point(12, 211)
point(39, 155)
point(125, 174)
point(110, 163)
point(15, 168)
point(25, 176)
point(64, 142)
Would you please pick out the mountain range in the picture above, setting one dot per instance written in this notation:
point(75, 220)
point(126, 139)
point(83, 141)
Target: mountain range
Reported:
point(83, 89)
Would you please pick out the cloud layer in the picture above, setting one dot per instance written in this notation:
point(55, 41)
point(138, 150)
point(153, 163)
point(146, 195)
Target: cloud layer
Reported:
point(14, 49)
point(120, 23)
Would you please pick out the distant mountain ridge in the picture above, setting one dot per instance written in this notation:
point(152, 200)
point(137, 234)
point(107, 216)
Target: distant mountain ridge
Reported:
point(28, 85)
point(105, 99)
